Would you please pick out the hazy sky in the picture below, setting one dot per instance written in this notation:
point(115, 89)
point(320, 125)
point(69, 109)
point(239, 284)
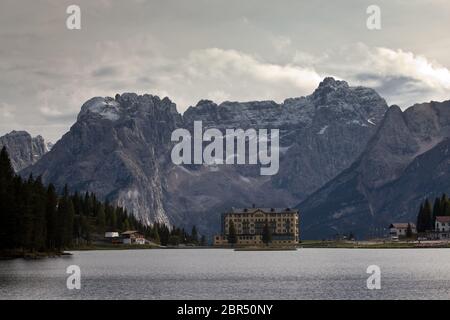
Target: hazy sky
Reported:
point(220, 50)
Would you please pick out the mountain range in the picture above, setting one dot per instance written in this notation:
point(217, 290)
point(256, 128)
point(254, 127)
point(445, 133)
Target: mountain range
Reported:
point(407, 160)
point(347, 160)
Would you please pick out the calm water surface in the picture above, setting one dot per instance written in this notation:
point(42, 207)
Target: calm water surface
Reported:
point(226, 274)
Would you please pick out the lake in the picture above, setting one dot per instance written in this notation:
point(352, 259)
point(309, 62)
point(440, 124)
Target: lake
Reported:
point(226, 274)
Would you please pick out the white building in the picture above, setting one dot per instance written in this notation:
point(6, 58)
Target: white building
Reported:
point(111, 234)
point(442, 227)
point(132, 237)
point(397, 230)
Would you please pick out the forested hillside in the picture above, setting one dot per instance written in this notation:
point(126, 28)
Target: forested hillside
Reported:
point(36, 218)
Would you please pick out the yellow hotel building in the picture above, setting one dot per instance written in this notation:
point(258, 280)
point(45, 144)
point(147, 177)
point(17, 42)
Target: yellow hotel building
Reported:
point(249, 223)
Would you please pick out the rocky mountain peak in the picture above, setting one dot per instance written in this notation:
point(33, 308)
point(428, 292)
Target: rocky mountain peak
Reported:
point(23, 149)
point(330, 82)
point(329, 85)
point(127, 105)
point(205, 102)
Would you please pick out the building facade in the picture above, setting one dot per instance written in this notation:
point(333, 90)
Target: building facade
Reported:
point(249, 224)
point(111, 234)
point(442, 227)
point(397, 230)
point(132, 237)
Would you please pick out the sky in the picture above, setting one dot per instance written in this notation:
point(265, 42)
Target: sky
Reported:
point(223, 50)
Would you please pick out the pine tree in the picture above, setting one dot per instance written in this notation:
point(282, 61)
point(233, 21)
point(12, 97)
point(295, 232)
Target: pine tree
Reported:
point(6, 169)
point(203, 241)
point(266, 234)
point(101, 218)
point(38, 207)
point(154, 234)
point(6, 201)
point(65, 219)
point(427, 216)
point(444, 198)
point(164, 234)
point(232, 237)
point(446, 208)
point(194, 235)
point(51, 217)
point(126, 225)
point(85, 229)
point(409, 233)
point(25, 214)
point(174, 240)
point(16, 213)
point(436, 209)
point(420, 223)
point(113, 223)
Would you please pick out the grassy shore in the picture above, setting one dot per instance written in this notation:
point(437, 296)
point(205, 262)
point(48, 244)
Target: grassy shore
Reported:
point(14, 254)
point(371, 244)
point(114, 247)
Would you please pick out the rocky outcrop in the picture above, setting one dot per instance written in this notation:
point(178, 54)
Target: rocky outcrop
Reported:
point(118, 148)
point(23, 149)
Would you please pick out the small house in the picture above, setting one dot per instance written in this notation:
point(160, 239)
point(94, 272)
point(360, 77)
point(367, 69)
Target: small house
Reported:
point(397, 230)
point(442, 227)
point(111, 234)
point(132, 237)
point(113, 237)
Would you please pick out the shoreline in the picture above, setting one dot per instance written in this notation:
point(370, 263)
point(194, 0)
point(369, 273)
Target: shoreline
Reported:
point(374, 244)
point(307, 244)
point(18, 254)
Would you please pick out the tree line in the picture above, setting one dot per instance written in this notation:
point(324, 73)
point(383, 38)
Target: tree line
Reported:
point(426, 217)
point(34, 217)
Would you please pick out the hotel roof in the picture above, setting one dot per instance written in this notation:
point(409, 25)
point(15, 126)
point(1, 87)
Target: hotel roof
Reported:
point(266, 210)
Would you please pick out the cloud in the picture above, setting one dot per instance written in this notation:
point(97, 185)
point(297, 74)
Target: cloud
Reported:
point(401, 77)
point(143, 64)
point(399, 62)
point(244, 77)
point(281, 43)
point(212, 73)
point(6, 111)
point(106, 71)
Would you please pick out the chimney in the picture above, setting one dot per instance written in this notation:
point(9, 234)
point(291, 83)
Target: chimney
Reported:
point(253, 206)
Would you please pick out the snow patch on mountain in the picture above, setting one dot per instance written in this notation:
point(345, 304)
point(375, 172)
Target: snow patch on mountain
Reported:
point(107, 108)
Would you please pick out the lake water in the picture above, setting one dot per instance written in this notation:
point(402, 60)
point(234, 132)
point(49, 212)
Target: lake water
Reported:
point(226, 274)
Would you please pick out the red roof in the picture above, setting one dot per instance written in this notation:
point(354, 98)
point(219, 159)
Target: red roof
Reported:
point(443, 219)
point(403, 225)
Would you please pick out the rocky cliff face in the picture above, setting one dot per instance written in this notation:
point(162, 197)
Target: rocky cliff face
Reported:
point(120, 148)
point(404, 162)
point(23, 149)
point(320, 135)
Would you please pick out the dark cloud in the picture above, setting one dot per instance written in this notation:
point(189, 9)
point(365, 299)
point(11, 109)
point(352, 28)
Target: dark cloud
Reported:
point(195, 49)
point(108, 71)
